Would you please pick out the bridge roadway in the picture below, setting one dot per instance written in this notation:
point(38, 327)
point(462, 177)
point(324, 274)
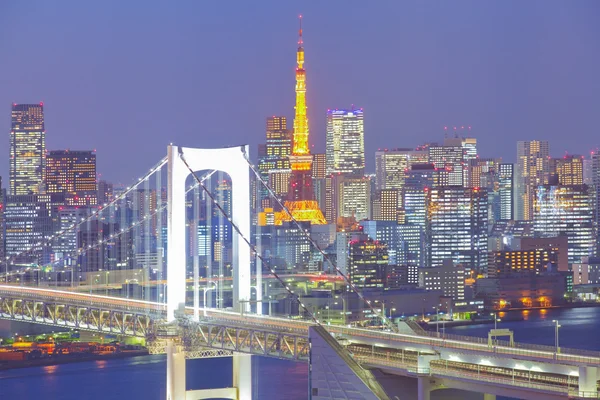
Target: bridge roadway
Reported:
point(529, 368)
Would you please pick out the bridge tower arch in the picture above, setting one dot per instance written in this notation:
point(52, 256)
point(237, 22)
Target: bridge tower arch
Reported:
point(231, 160)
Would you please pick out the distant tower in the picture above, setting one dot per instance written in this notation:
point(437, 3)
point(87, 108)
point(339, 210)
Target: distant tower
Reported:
point(27, 149)
point(301, 199)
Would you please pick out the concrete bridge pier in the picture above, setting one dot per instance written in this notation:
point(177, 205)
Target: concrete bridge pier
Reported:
point(588, 376)
point(176, 384)
point(175, 371)
point(242, 375)
point(424, 388)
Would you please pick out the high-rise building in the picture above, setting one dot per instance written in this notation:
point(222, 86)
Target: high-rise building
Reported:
point(72, 173)
point(595, 161)
point(405, 242)
point(301, 201)
point(29, 221)
point(367, 263)
point(102, 251)
point(567, 170)
point(419, 179)
point(457, 226)
point(478, 167)
point(319, 166)
point(391, 165)
point(469, 146)
point(345, 143)
point(27, 149)
point(351, 197)
point(105, 192)
point(385, 205)
point(273, 158)
point(533, 170)
point(451, 159)
point(506, 191)
point(567, 211)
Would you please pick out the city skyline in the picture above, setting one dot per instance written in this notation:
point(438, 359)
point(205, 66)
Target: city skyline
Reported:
point(446, 77)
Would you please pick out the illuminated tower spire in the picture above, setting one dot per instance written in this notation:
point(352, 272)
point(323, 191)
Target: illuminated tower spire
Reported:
point(300, 120)
point(301, 199)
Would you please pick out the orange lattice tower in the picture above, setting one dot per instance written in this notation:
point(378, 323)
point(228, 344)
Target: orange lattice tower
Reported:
point(301, 198)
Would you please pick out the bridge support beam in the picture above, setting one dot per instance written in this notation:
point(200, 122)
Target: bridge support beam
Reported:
point(424, 388)
point(242, 375)
point(175, 371)
point(587, 379)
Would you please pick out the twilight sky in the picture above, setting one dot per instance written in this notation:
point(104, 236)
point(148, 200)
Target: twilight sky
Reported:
point(127, 78)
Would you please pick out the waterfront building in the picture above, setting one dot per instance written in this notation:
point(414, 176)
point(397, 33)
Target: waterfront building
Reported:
point(345, 142)
point(567, 211)
point(457, 226)
point(448, 278)
point(532, 170)
point(72, 173)
point(508, 262)
point(524, 291)
point(27, 156)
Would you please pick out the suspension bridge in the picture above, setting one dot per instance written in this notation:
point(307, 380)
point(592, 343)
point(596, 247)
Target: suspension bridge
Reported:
point(124, 268)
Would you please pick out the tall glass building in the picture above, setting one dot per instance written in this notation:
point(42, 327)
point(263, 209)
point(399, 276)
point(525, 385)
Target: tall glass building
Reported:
point(532, 170)
point(27, 149)
point(345, 142)
point(566, 211)
point(506, 190)
point(457, 226)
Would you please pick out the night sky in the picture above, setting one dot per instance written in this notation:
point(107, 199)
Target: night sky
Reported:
point(127, 78)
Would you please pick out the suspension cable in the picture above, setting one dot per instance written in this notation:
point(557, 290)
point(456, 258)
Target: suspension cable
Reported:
point(92, 215)
point(129, 228)
point(385, 320)
point(252, 247)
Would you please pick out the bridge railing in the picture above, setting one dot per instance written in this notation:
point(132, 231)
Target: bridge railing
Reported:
point(469, 343)
point(441, 370)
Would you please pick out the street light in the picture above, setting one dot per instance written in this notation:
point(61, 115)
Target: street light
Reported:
point(556, 326)
point(206, 289)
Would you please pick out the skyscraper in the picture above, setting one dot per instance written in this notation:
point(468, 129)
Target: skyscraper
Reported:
point(74, 174)
point(390, 166)
point(457, 226)
point(301, 201)
point(506, 191)
point(451, 159)
point(533, 170)
point(273, 161)
point(367, 262)
point(351, 196)
point(27, 149)
point(345, 142)
point(568, 170)
point(566, 211)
